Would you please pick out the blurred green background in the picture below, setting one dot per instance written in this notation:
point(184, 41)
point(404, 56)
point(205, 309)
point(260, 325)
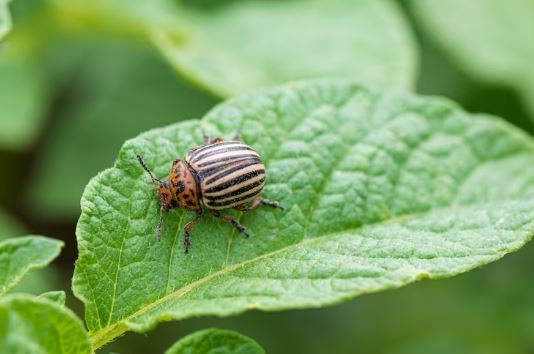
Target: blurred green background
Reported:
point(78, 78)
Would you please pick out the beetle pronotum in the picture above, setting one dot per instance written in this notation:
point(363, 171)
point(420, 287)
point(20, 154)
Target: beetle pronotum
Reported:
point(216, 176)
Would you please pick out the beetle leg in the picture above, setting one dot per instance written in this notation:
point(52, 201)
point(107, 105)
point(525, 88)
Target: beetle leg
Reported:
point(160, 223)
point(232, 221)
point(257, 202)
point(187, 229)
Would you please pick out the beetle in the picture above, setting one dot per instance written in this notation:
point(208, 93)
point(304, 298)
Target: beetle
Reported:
point(218, 175)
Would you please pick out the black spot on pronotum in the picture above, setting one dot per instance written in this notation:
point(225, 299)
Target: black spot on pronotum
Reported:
point(181, 187)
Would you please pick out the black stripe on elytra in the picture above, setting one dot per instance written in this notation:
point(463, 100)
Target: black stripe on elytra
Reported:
point(228, 158)
point(233, 201)
point(195, 152)
point(208, 153)
point(237, 180)
point(237, 191)
point(233, 169)
point(208, 172)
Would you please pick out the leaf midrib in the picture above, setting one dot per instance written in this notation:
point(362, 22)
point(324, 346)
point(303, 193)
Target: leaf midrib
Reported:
point(104, 335)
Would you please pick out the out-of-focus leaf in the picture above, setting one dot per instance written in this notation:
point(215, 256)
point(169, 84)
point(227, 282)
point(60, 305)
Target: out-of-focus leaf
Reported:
point(23, 254)
point(381, 189)
point(58, 297)
point(5, 18)
point(215, 341)
point(30, 325)
point(124, 17)
point(489, 39)
point(119, 89)
point(243, 45)
point(23, 100)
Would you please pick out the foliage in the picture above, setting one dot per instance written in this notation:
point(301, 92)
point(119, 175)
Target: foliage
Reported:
point(387, 204)
point(215, 341)
point(18, 256)
point(55, 296)
point(494, 45)
point(32, 325)
point(242, 45)
point(5, 18)
point(245, 45)
point(381, 188)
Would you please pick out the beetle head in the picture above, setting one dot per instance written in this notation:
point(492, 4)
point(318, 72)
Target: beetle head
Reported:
point(164, 194)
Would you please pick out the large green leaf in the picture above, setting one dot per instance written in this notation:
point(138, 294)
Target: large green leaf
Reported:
point(490, 40)
point(30, 325)
point(215, 341)
point(247, 44)
point(121, 88)
point(20, 255)
point(237, 46)
point(380, 190)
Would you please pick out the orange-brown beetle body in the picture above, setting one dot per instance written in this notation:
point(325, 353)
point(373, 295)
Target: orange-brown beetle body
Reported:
point(216, 176)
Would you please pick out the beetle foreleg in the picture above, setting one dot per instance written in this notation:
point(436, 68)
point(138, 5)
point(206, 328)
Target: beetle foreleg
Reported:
point(187, 229)
point(160, 223)
point(232, 221)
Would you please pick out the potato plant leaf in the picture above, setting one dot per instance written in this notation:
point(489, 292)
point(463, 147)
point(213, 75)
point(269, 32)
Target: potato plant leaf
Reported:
point(20, 255)
point(237, 46)
point(31, 325)
point(215, 341)
point(247, 44)
point(58, 297)
point(34, 282)
point(381, 189)
point(494, 45)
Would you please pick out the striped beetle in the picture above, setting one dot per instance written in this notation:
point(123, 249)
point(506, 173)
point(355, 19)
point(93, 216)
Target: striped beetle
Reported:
point(218, 175)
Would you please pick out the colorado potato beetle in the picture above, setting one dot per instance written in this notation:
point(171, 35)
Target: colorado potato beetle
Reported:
point(216, 176)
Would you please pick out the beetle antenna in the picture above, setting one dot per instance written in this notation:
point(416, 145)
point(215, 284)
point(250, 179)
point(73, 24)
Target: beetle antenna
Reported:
point(154, 179)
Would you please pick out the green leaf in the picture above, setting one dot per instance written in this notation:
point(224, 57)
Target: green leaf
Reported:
point(58, 297)
point(20, 255)
point(24, 90)
point(215, 341)
point(5, 18)
point(491, 40)
point(380, 190)
point(23, 98)
point(32, 325)
point(122, 88)
point(248, 44)
point(237, 46)
point(34, 282)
